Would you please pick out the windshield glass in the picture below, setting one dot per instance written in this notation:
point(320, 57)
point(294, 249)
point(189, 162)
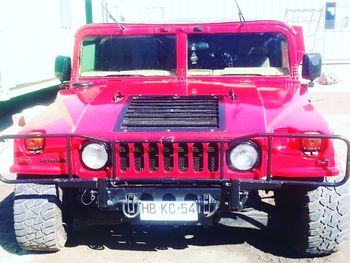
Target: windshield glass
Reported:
point(262, 54)
point(141, 55)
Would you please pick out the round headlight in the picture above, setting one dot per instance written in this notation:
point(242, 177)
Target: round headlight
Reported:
point(95, 155)
point(243, 156)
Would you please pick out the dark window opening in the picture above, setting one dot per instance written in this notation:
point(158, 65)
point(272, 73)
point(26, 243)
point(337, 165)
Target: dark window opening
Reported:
point(330, 15)
point(137, 55)
point(238, 54)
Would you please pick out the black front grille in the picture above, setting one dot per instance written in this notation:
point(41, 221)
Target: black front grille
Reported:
point(166, 112)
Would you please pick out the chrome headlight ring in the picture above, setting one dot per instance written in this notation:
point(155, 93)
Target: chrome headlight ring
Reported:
point(95, 155)
point(243, 156)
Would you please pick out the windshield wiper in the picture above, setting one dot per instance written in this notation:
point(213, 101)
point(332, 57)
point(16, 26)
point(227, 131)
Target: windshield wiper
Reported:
point(121, 26)
point(240, 15)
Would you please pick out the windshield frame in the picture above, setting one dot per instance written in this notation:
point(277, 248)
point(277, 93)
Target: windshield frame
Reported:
point(293, 35)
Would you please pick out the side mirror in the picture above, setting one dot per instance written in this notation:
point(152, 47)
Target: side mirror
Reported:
point(63, 68)
point(312, 64)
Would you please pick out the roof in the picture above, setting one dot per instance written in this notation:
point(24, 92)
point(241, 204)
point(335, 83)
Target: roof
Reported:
point(170, 27)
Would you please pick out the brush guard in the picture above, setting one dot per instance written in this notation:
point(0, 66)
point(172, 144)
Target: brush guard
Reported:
point(235, 185)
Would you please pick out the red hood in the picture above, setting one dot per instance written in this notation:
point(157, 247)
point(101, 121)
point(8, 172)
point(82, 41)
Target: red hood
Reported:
point(255, 108)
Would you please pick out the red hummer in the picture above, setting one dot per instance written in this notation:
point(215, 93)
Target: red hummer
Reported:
point(182, 124)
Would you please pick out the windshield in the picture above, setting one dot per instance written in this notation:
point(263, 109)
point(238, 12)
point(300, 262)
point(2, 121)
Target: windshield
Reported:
point(141, 55)
point(262, 54)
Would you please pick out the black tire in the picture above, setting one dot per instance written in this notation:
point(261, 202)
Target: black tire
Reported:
point(38, 217)
point(315, 222)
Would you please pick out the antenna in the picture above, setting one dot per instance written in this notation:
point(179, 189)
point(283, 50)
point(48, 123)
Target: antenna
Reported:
point(240, 14)
point(104, 6)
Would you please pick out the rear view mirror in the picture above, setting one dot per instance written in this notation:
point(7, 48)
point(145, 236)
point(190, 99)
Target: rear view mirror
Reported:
point(312, 64)
point(63, 68)
point(201, 46)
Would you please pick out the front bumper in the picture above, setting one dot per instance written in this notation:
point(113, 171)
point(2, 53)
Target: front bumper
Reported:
point(128, 200)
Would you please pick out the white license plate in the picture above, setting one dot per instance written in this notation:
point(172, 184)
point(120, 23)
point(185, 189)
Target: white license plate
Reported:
point(168, 211)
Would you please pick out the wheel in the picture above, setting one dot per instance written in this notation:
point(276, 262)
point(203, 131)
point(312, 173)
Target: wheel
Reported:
point(38, 217)
point(315, 221)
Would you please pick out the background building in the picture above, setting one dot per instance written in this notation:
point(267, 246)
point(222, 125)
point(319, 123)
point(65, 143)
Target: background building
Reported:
point(33, 32)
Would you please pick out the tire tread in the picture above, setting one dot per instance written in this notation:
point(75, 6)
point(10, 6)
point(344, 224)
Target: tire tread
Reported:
point(317, 221)
point(38, 217)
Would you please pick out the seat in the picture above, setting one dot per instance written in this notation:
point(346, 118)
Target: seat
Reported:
point(252, 56)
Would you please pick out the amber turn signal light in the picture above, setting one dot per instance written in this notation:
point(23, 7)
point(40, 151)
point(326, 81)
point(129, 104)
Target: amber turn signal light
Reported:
point(34, 144)
point(311, 144)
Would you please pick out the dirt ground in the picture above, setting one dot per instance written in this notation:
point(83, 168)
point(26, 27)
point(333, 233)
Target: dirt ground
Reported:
point(186, 244)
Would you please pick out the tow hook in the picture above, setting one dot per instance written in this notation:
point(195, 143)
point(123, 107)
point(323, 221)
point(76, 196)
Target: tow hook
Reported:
point(131, 206)
point(210, 205)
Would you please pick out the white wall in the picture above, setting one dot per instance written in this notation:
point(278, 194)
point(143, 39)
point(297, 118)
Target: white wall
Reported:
point(32, 34)
point(184, 10)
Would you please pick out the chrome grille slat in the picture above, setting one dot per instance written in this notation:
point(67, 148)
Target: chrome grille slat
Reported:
point(124, 156)
point(168, 153)
point(198, 157)
point(139, 157)
point(153, 157)
point(213, 157)
point(183, 157)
